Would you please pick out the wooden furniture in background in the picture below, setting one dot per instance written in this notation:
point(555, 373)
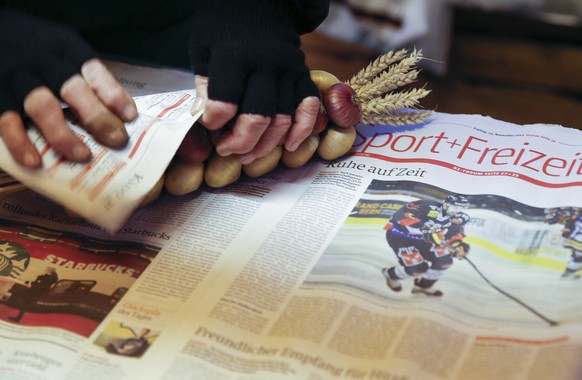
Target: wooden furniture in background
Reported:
point(512, 67)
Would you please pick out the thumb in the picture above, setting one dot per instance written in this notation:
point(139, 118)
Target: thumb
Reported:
point(201, 83)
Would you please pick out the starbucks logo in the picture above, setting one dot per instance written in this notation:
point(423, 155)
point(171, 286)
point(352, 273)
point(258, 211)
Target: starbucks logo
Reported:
point(14, 258)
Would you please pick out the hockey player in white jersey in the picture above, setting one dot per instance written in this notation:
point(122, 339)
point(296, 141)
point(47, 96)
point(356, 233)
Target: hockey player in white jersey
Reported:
point(571, 219)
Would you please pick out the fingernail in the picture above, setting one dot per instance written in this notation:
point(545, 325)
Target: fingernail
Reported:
point(81, 153)
point(223, 152)
point(247, 160)
point(294, 146)
point(117, 138)
point(29, 160)
point(130, 112)
point(197, 106)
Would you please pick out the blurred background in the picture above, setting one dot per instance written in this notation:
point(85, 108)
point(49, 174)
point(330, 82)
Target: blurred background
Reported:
point(515, 60)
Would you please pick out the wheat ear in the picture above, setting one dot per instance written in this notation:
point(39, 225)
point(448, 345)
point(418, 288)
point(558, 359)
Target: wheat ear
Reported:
point(375, 67)
point(397, 75)
point(394, 101)
point(396, 118)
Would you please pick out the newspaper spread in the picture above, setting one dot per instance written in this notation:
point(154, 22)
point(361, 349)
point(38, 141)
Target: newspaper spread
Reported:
point(108, 188)
point(288, 276)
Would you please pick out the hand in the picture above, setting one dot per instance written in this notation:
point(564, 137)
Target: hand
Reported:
point(434, 237)
point(42, 61)
point(248, 63)
point(461, 249)
point(254, 135)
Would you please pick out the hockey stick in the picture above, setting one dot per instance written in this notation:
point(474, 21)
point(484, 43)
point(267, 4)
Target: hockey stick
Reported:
point(549, 321)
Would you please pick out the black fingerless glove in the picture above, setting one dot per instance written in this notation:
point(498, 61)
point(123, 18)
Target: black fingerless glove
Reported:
point(250, 51)
point(36, 53)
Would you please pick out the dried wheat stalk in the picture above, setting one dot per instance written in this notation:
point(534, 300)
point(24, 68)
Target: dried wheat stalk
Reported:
point(394, 101)
point(376, 67)
point(397, 118)
point(375, 87)
point(397, 75)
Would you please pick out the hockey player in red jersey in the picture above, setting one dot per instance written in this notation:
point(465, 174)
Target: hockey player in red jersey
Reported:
point(425, 236)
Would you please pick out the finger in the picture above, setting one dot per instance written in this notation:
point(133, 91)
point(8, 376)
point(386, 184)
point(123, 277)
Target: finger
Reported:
point(108, 89)
point(217, 114)
point(22, 83)
point(274, 135)
point(304, 121)
point(244, 135)
point(105, 127)
point(248, 128)
point(19, 145)
point(201, 84)
point(45, 111)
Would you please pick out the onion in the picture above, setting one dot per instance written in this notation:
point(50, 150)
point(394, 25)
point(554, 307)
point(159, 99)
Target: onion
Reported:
point(321, 119)
point(264, 164)
point(323, 80)
point(154, 192)
point(184, 177)
point(302, 154)
point(342, 105)
point(221, 171)
point(336, 141)
point(196, 145)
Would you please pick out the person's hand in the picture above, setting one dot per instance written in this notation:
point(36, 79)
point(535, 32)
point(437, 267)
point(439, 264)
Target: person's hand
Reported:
point(248, 63)
point(460, 249)
point(42, 62)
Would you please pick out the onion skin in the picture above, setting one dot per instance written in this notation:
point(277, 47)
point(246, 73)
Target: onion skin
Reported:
point(336, 141)
point(342, 105)
point(302, 154)
point(323, 80)
point(222, 171)
point(265, 164)
point(184, 177)
point(196, 146)
point(321, 119)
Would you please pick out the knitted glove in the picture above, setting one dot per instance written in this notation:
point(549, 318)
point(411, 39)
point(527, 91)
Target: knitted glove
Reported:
point(250, 51)
point(36, 53)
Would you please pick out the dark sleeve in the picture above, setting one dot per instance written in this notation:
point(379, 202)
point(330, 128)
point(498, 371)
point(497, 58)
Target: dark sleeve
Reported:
point(312, 13)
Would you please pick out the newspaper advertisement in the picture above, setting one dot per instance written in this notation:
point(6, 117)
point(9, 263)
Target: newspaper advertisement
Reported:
point(448, 250)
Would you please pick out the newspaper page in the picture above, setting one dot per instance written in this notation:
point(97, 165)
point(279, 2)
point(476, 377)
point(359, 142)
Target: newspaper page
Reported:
point(449, 250)
point(282, 276)
point(109, 188)
point(509, 299)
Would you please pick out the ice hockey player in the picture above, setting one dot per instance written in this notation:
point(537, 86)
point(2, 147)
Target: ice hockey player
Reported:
point(425, 236)
point(571, 219)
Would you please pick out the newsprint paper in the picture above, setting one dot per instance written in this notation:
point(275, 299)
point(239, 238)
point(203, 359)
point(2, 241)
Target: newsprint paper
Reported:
point(449, 250)
point(111, 186)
